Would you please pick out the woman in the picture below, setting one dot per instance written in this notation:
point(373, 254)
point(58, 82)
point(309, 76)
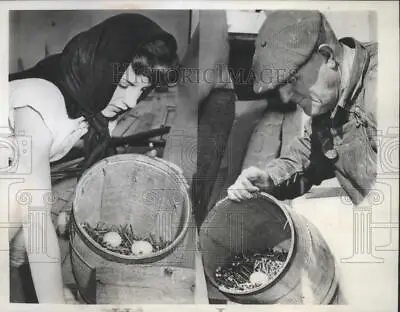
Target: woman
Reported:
point(77, 93)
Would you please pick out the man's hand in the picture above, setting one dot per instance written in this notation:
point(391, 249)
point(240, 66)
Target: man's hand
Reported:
point(250, 181)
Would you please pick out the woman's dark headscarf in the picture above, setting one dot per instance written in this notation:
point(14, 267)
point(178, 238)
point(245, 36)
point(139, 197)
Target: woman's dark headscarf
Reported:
point(90, 67)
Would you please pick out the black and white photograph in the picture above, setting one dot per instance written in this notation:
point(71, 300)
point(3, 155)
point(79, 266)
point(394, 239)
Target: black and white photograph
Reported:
point(217, 157)
point(299, 149)
point(102, 98)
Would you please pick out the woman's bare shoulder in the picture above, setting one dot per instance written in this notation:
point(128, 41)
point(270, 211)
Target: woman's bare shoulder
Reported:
point(43, 101)
point(34, 90)
point(32, 100)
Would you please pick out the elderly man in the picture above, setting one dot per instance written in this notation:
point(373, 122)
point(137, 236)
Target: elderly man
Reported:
point(334, 82)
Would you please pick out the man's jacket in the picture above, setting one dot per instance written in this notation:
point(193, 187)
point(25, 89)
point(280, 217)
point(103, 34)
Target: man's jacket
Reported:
point(341, 143)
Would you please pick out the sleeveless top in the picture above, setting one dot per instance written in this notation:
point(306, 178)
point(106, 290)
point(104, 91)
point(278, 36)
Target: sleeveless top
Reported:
point(46, 99)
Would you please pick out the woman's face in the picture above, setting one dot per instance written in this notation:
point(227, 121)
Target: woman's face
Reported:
point(126, 94)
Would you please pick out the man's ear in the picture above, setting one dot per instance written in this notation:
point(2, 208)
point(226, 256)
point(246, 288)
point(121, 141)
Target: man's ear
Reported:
point(327, 52)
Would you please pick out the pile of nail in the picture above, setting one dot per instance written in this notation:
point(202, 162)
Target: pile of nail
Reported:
point(127, 237)
point(241, 271)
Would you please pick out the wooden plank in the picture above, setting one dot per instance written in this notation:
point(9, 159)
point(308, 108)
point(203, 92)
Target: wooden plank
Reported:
point(265, 141)
point(145, 123)
point(215, 124)
point(68, 277)
point(145, 284)
point(157, 109)
point(201, 294)
point(124, 124)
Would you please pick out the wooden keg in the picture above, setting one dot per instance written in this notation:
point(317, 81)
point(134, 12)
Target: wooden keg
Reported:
point(149, 195)
point(309, 273)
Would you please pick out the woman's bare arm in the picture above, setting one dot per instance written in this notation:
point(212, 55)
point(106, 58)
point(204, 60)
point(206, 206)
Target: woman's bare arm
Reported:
point(40, 236)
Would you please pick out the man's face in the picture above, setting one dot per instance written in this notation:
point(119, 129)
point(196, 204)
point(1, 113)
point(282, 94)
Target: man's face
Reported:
point(315, 87)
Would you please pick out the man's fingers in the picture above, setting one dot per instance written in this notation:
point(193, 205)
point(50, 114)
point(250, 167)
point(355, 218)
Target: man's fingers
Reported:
point(243, 187)
point(253, 173)
point(244, 194)
point(249, 186)
point(232, 195)
point(237, 192)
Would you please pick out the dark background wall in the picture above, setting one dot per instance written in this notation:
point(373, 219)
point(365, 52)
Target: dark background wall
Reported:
point(359, 24)
point(33, 34)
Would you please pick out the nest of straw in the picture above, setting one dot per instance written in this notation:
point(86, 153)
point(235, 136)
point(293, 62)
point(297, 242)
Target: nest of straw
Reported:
point(127, 234)
point(235, 275)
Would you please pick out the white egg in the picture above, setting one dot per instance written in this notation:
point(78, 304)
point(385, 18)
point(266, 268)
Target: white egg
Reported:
point(113, 239)
point(141, 248)
point(258, 278)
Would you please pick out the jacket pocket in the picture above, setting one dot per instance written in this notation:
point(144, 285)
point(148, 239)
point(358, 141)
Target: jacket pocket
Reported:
point(356, 158)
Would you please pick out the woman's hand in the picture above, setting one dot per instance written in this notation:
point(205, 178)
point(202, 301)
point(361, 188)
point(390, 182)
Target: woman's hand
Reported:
point(152, 152)
point(67, 136)
point(250, 181)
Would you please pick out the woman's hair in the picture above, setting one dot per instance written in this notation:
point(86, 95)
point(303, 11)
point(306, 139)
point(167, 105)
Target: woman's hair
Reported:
point(157, 61)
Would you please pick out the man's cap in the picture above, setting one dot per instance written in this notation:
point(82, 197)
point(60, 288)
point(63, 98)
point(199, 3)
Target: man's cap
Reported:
point(285, 41)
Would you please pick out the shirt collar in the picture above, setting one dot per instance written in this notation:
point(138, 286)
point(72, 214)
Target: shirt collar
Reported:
point(358, 69)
